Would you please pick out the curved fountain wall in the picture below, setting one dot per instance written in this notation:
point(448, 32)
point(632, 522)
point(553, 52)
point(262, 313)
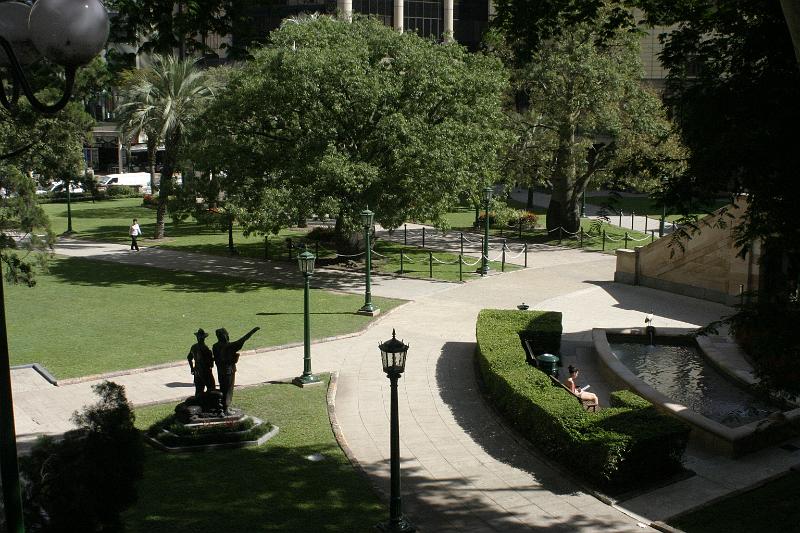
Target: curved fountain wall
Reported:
point(705, 432)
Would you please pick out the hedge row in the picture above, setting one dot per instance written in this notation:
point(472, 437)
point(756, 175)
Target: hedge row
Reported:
point(616, 449)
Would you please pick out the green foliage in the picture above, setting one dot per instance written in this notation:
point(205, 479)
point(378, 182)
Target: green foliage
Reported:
point(162, 101)
point(616, 448)
point(763, 331)
point(333, 117)
point(25, 236)
point(587, 117)
point(734, 87)
point(531, 23)
point(84, 482)
point(163, 26)
point(625, 398)
point(120, 191)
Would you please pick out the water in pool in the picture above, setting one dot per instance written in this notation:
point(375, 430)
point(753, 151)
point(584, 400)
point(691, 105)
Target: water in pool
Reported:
point(681, 374)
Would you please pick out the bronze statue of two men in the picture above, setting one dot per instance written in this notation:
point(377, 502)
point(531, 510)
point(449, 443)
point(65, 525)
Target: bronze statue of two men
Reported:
point(224, 354)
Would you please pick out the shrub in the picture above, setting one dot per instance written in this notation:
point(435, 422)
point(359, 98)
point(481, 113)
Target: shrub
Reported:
point(84, 482)
point(120, 191)
point(614, 449)
point(150, 200)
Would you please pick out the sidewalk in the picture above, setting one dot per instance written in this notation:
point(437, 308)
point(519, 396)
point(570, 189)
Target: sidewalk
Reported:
point(463, 470)
point(624, 221)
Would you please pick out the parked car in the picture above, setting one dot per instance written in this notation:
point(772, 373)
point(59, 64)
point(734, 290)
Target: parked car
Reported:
point(58, 187)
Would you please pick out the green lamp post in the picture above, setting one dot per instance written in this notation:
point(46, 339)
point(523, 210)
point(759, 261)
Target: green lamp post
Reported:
point(484, 269)
point(393, 357)
point(306, 262)
point(69, 208)
point(368, 308)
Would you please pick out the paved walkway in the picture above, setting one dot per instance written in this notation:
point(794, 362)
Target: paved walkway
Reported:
point(462, 469)
point(622, 220)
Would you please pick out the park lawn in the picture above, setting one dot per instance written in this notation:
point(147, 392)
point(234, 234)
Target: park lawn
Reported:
point(109, 221)
point(87, 317)
point(771, 507)
point(269, 488)
point(416, 262)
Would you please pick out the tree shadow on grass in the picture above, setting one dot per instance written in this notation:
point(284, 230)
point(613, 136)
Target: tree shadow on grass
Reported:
point(80, 271)
point(268, 488)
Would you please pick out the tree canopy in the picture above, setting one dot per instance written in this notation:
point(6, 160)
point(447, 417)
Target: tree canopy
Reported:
point(335, 116)
point(161, 101)
point(734, 88)
point(587, 116)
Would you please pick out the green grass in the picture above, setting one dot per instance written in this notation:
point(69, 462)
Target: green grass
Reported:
point(772, 507)
point(109, 221)
point(615, 236)
point(269, 488)
point(87, 317)
point(416, 262)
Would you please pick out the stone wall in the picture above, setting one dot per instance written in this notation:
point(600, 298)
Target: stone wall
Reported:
point(707, 267)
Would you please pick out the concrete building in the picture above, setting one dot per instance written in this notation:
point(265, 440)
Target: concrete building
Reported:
point(463, 20)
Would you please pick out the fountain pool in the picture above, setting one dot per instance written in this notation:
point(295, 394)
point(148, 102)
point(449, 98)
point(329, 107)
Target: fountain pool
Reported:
point(675, 375)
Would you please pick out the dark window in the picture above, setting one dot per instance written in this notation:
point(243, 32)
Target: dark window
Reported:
point(383, 9)
point(470, 19)
point(426, 17)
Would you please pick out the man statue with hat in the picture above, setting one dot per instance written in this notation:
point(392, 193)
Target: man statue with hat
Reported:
point(201, 361)
point(226, 356)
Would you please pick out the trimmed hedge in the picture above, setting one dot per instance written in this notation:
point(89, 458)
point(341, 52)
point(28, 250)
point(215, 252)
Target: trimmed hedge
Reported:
point(618, 448)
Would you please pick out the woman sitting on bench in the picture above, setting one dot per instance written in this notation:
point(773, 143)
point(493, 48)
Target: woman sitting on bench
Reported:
point(589, 397)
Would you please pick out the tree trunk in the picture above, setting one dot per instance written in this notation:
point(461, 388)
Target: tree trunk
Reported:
point(529, 203)
point(165, 185)
point(152, 146)
point(564, 208)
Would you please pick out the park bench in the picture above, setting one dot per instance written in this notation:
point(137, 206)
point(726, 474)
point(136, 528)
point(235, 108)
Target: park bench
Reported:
point(586, 404)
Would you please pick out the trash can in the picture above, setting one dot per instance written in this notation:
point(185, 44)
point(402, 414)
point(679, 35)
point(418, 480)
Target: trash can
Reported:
point(548, 363)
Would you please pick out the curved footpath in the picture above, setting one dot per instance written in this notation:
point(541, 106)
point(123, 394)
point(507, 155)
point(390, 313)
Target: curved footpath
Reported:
point(462, 469)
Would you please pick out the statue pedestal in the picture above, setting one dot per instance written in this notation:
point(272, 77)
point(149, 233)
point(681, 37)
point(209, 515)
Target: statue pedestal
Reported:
point(199, 424)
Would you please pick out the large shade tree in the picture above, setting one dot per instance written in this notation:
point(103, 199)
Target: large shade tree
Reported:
point(161, 101)
point(588, 116)
point(344, 115)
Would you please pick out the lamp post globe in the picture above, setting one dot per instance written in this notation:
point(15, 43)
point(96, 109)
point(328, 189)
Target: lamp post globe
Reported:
point(366, 222)
point(393, 359)
point(69, 32)
point(14, 29)
point(305, 261)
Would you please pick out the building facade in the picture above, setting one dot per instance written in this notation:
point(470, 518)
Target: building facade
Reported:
point(462, 20)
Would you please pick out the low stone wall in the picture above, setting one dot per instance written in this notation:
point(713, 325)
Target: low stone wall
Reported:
point(708, 267)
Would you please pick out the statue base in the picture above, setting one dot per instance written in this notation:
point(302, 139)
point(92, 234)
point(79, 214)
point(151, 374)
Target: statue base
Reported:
point(199, 423)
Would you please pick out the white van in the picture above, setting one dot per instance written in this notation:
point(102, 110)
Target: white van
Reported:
point(139, 180)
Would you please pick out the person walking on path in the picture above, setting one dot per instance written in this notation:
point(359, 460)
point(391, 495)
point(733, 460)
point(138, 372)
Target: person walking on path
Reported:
point(134, 231)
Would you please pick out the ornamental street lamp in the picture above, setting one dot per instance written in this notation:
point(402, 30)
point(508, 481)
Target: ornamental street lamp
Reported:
point(393, 357)
point(306, 263)
point(68, 33)
point(487, 196)
point(368, 308)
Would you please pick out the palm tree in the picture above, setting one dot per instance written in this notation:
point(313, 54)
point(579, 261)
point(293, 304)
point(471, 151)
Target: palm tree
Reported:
point(161, 101)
